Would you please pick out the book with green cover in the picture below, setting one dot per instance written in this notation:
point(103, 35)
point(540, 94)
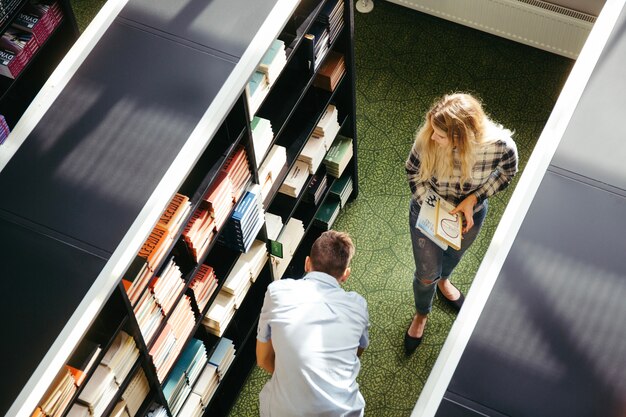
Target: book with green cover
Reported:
point(271, 54)
point(339, 149)
point(342, 188)
point(255, 82)
point(327, 213)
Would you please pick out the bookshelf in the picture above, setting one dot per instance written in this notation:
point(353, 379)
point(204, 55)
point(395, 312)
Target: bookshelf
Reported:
point(132, 127)
point(17, 93)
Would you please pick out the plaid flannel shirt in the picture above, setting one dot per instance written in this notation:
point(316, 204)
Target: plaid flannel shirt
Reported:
point(495, 166)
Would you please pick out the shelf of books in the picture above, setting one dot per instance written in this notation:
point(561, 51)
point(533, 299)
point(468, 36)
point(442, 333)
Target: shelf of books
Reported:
point(177, 334)
point(35, 36)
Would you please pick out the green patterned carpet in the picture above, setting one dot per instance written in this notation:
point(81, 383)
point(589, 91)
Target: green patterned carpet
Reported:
point(404, 60)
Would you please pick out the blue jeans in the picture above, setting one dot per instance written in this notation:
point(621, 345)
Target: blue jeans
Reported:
point(433, 263)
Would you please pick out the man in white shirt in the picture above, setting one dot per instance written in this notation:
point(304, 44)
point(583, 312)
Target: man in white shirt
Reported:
point(310, 336)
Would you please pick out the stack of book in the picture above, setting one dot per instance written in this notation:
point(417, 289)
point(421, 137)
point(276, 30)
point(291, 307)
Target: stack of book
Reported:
point(316, 188)
point(210, 216)
point(156, 247)
point(245, 271)
point(217, 203)
point(313, 153)
point(273, 61)
point(338, 156)
point(255, 259)
point(121, 356)
point(136, 392)
point(149, 315)
point(273, 225)
point(4, 129)
point(245, 221)
point(83, 359)
point(29, 29)
point(271, 168)
point(285, 246)
point(330, 72)
point(167, 286)
point(316, 44)
point(172, 338)
point(76, 410)
point(332, 17)
point(14, 53)
point(184, 375)
point(237, 169)
point(342, 189)
point(194, 357)
point(175, 214)
point(256, 91)
point(136, 279)
point(207, 384)
point(327, 214)
point(220, 313)
point(120, 410)
point(223, 356)
point(220, 199)
point(328, 126)
point(157, 410)
point(157, 302)
point(262, 136)
point(193, 406)
point(295, 180)
point(58, 396)
point(265, 75)
point(237, 284)
point(200, 231)
point(203, 285)
point(40, 19)
point(176, 390)
point(110, 374)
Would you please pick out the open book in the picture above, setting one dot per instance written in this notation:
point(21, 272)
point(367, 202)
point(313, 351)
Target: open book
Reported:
point(436, 222)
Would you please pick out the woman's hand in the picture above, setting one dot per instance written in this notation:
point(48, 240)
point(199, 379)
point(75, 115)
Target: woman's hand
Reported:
point(466, 207)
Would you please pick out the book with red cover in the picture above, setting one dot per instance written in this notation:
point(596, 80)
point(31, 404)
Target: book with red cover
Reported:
point(155, 247)
point(82, 360)
point(176, 210)
point(330, 72)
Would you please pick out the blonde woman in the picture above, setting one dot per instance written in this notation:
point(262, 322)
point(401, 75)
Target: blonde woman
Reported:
point(465, 157)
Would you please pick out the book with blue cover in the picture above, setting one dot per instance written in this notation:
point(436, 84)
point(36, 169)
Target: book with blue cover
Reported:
point(222, 351)
point(242, 207)
point(190, 356)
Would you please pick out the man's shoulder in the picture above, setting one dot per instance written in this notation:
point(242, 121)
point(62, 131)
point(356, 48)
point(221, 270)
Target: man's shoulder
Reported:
point(285, 284)
point(357, 299)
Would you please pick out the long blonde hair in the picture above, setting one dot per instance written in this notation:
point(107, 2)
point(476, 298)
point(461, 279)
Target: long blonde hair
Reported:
point(464, 122)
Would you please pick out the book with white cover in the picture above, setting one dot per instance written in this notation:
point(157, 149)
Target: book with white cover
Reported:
point(295, 180)
point(437, 223)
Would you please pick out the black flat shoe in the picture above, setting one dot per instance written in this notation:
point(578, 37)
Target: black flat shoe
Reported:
point(411, 343)
point(454, 304)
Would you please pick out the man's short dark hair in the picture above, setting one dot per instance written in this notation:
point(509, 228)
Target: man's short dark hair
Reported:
point(331, 253)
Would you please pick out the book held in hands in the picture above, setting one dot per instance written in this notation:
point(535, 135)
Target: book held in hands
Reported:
point(436, 222)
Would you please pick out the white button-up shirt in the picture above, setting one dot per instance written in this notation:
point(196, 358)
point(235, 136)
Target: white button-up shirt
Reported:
point(315, 328)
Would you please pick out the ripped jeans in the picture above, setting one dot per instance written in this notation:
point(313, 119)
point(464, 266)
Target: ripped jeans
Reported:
point(433, 263)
